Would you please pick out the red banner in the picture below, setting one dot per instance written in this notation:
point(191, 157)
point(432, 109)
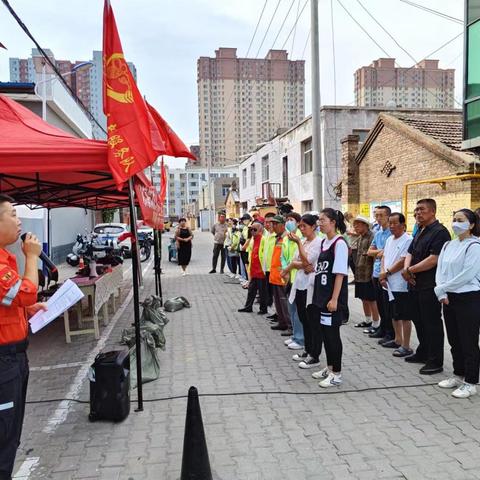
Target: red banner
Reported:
point(129, 123)
point(150, 204)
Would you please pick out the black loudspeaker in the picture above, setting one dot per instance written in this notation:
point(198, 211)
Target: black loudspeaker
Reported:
point(110, 386)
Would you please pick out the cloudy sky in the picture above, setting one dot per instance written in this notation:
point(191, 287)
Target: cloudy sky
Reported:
point(164, 38)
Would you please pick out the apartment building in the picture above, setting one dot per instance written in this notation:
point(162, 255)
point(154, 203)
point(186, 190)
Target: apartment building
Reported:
point(243, 101)
point(424, 85)
point(85, 81)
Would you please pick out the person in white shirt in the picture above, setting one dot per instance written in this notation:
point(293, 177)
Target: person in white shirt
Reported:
point(396, 249)
point(305, 261)
point(458, 289)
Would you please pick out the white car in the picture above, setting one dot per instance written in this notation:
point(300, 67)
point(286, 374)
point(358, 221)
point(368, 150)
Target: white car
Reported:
point(108, 233)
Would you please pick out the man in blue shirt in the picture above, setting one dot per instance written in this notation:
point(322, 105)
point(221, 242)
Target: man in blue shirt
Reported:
point(384, 331)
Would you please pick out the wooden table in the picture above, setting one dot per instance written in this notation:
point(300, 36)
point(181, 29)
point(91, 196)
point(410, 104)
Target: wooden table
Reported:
point(100, 291)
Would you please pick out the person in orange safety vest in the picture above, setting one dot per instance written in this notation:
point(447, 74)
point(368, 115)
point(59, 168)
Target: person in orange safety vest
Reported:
point(18, 301)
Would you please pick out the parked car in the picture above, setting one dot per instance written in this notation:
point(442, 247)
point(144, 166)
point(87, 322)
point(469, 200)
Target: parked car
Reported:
point(145, 230)
point(167, 225)
point(108, 233)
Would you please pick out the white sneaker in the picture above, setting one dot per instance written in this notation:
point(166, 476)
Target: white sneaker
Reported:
point(465, 390)
point(309, 362)
point(321, 374)
point(295, 346)
point(184, 274)
point(333, 380)
point(299, 357)
point(288, 341)
point(451, 382)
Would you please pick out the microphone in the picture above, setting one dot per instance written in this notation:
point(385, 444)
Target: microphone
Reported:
point(43, 257)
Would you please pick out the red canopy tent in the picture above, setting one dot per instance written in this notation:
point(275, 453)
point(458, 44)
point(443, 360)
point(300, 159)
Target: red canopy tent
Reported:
point(43, 165)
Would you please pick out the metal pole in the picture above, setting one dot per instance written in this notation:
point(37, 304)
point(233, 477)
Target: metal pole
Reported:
point(317, 168)
point(44, 95)
point(136, 297)
point(209, 161)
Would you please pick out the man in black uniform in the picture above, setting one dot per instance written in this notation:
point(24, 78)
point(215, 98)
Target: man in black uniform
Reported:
point(420, 268)
point(18, 297)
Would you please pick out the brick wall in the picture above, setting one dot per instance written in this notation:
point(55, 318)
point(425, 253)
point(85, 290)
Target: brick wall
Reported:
point(413, 162)
point(350, 178)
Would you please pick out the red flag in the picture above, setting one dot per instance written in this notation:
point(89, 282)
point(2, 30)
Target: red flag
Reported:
point(163, 183)
point(128, 121)
point(173, 145)
point(150, 203)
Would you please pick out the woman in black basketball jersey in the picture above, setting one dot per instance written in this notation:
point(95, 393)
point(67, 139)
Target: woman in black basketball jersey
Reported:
point(329, 304)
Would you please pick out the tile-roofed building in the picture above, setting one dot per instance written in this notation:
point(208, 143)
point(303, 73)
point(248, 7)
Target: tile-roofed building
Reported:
point(444, 128)
point(406, 157)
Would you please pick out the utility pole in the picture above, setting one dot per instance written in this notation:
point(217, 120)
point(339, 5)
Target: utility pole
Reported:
point(317, 169)
point(209, 161)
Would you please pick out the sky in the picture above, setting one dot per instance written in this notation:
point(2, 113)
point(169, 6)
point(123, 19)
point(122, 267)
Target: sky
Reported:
point(164, 38)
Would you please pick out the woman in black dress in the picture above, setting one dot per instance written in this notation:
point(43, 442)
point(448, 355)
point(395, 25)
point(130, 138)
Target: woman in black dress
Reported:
point(183, 238)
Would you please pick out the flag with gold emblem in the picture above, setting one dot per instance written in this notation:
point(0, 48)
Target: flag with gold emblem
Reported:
point(131, 146)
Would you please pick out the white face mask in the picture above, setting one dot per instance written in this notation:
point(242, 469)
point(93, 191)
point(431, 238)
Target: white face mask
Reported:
point(460, 227)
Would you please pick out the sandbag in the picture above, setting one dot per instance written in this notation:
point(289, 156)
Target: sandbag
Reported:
point(150, 360)
point(176, 303)
point(152, 311)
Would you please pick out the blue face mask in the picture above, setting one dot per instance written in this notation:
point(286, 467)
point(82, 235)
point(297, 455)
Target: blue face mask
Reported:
point(291, 226)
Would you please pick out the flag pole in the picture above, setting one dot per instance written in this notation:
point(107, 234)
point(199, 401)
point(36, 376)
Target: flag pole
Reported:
point(136, 296)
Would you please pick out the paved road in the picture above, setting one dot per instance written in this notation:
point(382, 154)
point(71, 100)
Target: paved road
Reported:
point(275, 424)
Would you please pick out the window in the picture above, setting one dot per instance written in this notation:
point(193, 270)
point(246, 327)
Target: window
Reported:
point(307, 206)
point(265, 169)
point(472, 75)
point(244, 178)
point(285, 176)
point(252, 174)
point(307, 156)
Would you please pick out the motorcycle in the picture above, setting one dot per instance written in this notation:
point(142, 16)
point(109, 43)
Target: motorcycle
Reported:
point(145, 241)
point(86, 246)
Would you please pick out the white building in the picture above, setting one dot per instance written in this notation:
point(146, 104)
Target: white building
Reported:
point(283, 166)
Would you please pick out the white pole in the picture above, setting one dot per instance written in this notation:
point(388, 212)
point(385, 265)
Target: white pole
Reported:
point(44, 94)
point(316, 104)
point(209, 161)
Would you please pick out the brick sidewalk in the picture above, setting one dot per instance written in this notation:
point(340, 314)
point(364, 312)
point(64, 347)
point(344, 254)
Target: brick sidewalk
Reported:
point(405, 433)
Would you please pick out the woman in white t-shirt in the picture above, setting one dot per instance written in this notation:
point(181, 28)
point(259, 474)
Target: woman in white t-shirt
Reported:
point(304, 261)
point(394, 253)
point(458, 289)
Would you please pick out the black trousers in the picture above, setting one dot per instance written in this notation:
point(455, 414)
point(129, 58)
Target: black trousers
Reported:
point(218, 250)
point(427, 318)
point(13, 391)
point(351, 261)
point(244, 257)
point(269, 290)
point(381, 297)
point(316, 337)
point(333, 346)
point(462, 323)
point(301, 303)
point(257, 285)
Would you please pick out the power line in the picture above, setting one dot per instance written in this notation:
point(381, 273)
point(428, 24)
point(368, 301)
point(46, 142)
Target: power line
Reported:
point(227, 104)
point(364, 30)
point(295, 24)
point(283, 24)
point(403, 49)
point(268, 28)
point(306, 45)
point(256, 28)
point(295, 31)
point(49, 61)
point(434, 12)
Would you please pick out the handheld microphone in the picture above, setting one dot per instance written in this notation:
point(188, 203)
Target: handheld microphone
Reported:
point(43, 257)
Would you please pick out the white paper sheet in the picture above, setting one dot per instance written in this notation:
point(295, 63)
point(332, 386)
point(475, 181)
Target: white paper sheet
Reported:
point(65, 297)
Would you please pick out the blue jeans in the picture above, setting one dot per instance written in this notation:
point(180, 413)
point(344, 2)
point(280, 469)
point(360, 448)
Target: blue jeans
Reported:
point(297, 326)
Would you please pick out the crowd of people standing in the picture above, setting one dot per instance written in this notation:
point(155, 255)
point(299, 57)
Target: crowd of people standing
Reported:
point(298, 266)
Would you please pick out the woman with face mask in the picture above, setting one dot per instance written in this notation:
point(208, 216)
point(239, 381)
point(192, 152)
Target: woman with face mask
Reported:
point(458, 289)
